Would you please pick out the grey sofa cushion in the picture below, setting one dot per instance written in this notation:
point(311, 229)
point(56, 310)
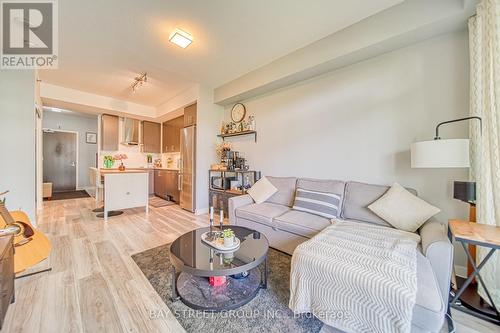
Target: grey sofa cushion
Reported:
point(286, 190)
point(429, 309)
point(357, 198)
point(301, 223)
point(263, 213)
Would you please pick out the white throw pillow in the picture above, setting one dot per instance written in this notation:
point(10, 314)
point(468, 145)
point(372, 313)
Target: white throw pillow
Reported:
point(262, 190)
point(402, 209)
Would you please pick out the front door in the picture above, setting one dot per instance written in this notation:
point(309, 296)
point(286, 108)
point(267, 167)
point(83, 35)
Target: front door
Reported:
point(59, 160)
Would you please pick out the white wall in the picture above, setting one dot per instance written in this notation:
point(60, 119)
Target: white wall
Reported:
point(209, 117)
point(357, 123)
point(38, 145)
point(86, 151)
point(17, 139)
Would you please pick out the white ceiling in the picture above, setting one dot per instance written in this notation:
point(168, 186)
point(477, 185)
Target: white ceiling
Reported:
point(103, 45)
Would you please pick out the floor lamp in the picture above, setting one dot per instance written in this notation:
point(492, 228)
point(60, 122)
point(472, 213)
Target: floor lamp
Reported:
point(451, 153)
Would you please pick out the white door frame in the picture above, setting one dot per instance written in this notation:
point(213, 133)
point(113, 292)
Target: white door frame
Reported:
point(77, 187)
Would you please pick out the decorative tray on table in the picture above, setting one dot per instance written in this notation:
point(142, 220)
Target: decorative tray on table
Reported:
point(218, 243)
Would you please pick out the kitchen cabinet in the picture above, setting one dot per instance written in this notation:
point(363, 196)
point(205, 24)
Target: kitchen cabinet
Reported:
point(172, 136)
point(166, 184)
point(125, 189)
point(190, 115)
point(151, 137)
point(109, 132)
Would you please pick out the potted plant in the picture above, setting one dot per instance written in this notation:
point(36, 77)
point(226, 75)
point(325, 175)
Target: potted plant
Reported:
point(109, 161)
point(228, 236)
point(120, 157)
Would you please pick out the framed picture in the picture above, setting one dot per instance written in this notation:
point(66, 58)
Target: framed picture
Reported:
point(91, 137)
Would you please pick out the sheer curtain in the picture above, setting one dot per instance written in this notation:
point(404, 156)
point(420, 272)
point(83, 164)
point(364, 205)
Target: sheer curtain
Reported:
point(484, 44)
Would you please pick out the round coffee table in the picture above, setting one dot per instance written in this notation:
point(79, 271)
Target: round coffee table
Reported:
point(194, 261)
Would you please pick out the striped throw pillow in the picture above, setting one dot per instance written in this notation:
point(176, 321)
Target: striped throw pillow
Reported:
point(318, 203)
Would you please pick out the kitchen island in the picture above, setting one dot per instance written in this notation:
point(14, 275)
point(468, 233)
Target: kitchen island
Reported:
point(125, 189)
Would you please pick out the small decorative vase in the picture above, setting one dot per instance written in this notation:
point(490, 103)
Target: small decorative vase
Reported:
point(228, 242)
point(121, 167)
point(108, 164)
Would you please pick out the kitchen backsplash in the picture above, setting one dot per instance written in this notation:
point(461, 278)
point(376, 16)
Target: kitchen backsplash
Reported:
point(136, 159)
point(171, 160)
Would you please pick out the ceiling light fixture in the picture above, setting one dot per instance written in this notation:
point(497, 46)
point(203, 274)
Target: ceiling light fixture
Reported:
point(139, 81)
point(181, 38)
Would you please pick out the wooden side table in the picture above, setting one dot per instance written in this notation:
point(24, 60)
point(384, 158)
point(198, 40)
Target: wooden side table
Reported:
point(470, 233)
point(6, 275)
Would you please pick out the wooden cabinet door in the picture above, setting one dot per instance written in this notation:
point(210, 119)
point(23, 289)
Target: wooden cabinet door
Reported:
point(190, 115)
point(151, 137)
point(165, 139)
point(172, 135)
point(109, 132)
point(168, 144)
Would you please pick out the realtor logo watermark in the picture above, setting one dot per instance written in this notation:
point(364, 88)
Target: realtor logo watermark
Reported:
point(29, 34)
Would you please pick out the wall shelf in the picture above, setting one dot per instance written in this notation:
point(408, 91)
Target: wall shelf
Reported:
point(224, 136)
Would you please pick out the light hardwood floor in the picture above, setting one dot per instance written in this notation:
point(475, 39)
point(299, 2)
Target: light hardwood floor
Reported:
point(95, 286)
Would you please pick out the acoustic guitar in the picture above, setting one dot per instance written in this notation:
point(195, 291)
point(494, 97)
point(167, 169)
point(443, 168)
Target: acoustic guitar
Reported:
point(30, 245)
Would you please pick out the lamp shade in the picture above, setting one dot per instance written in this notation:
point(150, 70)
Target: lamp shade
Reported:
point(450, 153)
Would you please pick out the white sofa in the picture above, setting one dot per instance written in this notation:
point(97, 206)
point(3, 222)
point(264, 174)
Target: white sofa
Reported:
point(286, 228)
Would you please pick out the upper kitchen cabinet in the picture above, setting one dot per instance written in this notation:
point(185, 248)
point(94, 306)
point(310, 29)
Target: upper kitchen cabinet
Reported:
point(151, 137)
point(171, 135)
point(190, 115)
point(109, 132)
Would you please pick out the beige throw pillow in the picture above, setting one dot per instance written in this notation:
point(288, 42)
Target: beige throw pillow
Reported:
point(402, 209)
point(262, 190)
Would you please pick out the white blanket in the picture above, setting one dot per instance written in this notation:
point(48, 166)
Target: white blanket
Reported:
point(357, 277)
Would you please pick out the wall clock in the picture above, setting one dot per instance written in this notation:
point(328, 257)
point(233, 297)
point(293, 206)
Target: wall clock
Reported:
point(238, 112)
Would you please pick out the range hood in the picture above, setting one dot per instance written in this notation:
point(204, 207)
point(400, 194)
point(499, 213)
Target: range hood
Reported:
point(130, 131)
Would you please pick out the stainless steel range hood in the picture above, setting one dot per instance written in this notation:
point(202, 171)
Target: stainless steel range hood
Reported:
point(130, 131)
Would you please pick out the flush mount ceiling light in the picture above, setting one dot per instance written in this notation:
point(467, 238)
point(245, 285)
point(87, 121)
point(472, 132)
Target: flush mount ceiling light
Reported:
point(181, 38)
point(139, 81)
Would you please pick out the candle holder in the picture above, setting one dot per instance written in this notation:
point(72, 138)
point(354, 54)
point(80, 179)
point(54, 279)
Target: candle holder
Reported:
point(212, 235)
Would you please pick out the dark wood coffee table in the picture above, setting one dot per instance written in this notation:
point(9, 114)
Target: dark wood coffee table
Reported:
point(194, 261)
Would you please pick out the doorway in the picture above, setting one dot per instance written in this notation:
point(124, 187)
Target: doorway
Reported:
point(60, 159)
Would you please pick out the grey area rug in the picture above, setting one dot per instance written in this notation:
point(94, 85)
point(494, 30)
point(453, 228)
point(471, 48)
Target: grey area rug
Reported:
point(267, 312)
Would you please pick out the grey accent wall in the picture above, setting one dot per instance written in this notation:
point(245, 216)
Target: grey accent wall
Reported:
point(81, 124)
point(17, 139)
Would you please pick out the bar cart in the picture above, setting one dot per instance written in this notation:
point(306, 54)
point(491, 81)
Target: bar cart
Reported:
point(226, 184)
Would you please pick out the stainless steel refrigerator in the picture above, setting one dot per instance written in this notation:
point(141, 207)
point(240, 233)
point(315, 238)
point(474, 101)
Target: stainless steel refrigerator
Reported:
point(187, 179)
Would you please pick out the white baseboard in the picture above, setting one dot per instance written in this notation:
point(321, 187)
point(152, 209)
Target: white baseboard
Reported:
point(461, 271)
point(201, 211)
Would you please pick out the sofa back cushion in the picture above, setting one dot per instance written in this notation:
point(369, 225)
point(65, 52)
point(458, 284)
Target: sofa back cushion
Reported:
point(357, 198)
point(286, 190)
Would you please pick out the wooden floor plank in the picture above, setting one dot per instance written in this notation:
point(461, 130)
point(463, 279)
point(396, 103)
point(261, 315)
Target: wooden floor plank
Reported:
point(61, 294)
point(85, 261)
point(97, 306)
point(113, 267)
